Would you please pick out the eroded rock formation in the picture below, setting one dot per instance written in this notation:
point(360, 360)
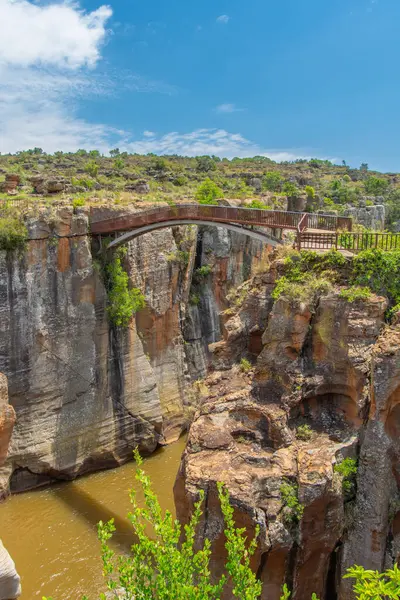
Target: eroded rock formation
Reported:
point(87, 393)
point(334, 368)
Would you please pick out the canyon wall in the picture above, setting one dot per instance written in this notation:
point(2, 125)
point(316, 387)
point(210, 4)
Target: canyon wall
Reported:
point(325, 387)
point(87, 393)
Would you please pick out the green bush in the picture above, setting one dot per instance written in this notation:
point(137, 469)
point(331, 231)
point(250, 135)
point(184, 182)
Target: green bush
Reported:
point(203, 272)
point(194, 299)
point(245, 365)
point(122, 301)
point(92, 167)
point(208, 192)
point(379, 271)
point(354, 293)
point(304, 433)
point(310, 191)
point(257, 204)
point(290, 189)
point(13, 234)
point(347, 468)
point(289, 495)
point(307, 290)
point(375, 186)
point(80, 201)
point(273, 181)
point(204, 164)
point(118, 164)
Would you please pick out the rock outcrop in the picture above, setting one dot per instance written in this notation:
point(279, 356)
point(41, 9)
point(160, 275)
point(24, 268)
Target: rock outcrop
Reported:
point(10, 586)
point(325, 387)
point(371, 217)
point(12, 180)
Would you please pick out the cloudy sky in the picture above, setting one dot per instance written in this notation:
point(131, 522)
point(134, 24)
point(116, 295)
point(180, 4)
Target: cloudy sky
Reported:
point(286, 79)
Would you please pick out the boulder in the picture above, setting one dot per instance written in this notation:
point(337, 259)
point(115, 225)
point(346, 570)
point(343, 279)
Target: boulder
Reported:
point(11, 182)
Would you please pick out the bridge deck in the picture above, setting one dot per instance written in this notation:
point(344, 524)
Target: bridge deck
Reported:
point(273, 219)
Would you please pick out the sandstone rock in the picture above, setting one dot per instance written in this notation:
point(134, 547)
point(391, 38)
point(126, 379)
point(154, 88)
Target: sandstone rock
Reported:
point(10, 586)
point(371, 217)
point(12, 180)
point(43, 185)
point(140, 187)
point(314, 369)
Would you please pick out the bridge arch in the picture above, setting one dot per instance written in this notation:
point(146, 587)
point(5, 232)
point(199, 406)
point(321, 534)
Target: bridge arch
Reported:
point(134, 233)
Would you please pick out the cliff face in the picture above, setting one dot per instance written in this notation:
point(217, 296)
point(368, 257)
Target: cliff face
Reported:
point(232, 259)
point(86, 393)
point(335, 369)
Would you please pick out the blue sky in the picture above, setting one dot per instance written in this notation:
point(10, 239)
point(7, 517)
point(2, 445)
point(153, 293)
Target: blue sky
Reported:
point(286, 79)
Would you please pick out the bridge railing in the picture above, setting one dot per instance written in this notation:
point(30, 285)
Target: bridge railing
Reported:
point(353, 242)
point(274, 219)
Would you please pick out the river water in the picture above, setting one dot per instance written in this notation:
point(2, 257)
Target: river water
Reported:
point(51, 533)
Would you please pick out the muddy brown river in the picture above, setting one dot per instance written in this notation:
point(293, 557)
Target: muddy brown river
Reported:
point(51, 533)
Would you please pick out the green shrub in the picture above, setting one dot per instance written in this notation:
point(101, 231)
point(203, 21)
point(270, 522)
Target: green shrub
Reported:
point(307, 290)
point(245, 365)
point(290, 189)
point(375, 186)
point(194, 299)
point(203, 272)
point(13, 234)
point(304, 433)
point(204, 164)
point(354, 293)
point(379, 271)
point(122, 301)
point(273, 181)
point(257, 204)
point(180, 256)
point(80, 201)
point(347, 468)
point(289, 495)
point(310, 191)
point(92, 168)
point(208, 192)
point(118, 164)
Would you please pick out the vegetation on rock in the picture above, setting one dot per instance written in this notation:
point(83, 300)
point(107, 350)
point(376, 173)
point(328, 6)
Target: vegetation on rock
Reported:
point(293, 510)
point(13, 234)
point(347, 468)
point(122, 301)
point(304, 433)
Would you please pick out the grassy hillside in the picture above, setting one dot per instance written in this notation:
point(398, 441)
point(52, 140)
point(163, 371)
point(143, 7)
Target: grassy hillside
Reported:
point(85, 177)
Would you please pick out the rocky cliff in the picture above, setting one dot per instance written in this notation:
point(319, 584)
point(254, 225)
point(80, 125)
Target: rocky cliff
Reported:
point(324, 388)
point(86, 393)
point(10, 586)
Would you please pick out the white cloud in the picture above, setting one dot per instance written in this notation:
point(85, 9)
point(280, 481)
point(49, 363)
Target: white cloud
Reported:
point(224, 19)
point(149, 134)
point(47, 55)
point(53, 34)
point(228, 108)
point(207, 141)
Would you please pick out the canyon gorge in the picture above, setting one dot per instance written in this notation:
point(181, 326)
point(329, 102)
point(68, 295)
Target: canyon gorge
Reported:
point(272, 392)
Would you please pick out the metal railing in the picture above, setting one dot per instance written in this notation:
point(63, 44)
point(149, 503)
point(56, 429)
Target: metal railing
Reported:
point(353, 242)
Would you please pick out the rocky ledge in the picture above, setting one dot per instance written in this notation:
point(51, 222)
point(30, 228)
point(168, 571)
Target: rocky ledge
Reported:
point(325, 387)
